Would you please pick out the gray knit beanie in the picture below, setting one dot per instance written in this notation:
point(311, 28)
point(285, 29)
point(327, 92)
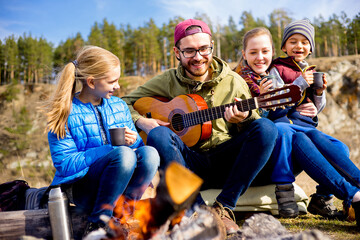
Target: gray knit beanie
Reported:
point(303, 27)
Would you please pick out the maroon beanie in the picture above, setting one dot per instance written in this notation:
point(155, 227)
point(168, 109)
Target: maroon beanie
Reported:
point(181, 32)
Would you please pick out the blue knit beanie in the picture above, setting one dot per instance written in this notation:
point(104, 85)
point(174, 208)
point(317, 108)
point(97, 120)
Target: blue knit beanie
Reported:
point(303, 27)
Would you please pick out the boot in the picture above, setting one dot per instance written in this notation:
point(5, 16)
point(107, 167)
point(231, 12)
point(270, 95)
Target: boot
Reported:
point(286, 201)
point(92, 226)
point(227, 216)
point(324, 206)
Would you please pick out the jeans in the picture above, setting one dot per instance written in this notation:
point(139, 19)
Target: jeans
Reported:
point(281, 167)
point(121, 171)
point(315, 152)
point(231, 166)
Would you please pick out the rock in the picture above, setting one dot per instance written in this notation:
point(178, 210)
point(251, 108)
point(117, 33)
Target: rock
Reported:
point(31, 154)
point(262, 226)
point(21, 163)
point(341, 116)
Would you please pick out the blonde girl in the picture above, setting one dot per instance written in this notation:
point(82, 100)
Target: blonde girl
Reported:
point(93, 171)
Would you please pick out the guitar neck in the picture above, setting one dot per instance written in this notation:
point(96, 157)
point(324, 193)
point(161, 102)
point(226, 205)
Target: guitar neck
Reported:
point(201, 116)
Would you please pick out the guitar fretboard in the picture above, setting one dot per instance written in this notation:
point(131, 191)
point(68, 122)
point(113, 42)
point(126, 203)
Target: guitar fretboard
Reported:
point(201, 116)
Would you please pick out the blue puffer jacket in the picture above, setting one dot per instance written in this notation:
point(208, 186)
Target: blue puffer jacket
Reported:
point(83, 145)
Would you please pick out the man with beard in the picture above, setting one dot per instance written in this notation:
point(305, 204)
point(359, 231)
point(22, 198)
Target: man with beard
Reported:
point(240, 143)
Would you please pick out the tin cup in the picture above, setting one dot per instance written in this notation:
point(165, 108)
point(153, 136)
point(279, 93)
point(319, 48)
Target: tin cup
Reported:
point(268, 77)
point(318, 80)
point(117, 136)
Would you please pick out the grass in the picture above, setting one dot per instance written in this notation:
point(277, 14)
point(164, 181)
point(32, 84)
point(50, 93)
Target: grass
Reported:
point(334, 229)
point(339, 230)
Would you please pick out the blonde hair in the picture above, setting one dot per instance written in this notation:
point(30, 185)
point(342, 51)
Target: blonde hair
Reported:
point(91, 61)
point(251, 34)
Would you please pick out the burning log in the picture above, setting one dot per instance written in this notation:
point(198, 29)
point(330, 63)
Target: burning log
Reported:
point(176, 191)
point(206, 224)
point(162, 217)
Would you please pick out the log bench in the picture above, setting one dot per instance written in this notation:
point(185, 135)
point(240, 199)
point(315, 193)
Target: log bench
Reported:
point(36, 223)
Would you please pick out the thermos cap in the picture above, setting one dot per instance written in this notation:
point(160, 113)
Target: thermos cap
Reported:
point(55, 193)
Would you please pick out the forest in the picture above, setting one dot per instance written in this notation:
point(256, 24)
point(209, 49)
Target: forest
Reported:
point(148, 49)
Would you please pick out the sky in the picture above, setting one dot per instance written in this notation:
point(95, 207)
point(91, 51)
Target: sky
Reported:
point(57, 20)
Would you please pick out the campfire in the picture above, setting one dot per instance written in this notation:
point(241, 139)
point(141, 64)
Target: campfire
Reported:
point(163, 217)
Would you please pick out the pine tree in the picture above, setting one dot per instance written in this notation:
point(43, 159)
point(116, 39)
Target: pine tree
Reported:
point(11, 57)
point(279, 18)
point(2, 62)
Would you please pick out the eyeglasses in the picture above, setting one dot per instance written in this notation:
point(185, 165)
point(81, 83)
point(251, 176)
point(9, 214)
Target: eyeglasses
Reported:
point(189, 53)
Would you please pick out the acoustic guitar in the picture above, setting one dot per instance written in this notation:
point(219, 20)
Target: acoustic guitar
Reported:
point(190, 118)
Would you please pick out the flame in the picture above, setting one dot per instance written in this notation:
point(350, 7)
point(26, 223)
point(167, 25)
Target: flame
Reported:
point(133, 217)
point(178, 218)
point(142, 214)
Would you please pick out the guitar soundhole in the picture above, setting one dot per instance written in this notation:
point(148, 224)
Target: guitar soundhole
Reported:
point(177, 122)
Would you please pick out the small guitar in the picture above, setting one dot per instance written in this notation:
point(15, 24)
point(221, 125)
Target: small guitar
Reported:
point(190, 118)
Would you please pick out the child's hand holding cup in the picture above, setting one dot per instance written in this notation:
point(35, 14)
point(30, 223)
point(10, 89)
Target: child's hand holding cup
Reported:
point(117, 136)
point(318, 80)
point(265, 83)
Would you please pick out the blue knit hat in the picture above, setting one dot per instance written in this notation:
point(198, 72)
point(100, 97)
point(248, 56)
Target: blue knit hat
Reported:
point(303, 27)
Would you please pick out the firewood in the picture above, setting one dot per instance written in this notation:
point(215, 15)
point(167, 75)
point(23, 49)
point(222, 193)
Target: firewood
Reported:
point(205, 224)
point(176, 191)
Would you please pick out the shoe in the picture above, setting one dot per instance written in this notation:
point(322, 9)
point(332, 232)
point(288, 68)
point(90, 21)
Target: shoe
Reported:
point(227, 216)
point(287, 205)
point(92, 226)
point(324, 206)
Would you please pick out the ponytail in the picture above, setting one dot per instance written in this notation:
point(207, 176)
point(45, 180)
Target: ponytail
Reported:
point(91, 61)
point(59, 106)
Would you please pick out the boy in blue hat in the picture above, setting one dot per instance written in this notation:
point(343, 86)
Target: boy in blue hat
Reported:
point(298, 43)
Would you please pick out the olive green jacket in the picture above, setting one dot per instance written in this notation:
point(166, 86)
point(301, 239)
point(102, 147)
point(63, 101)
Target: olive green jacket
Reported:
point(224, 86)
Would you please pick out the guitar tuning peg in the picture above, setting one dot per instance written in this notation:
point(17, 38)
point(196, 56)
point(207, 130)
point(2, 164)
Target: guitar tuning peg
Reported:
point(283, 107)
point(291, 104)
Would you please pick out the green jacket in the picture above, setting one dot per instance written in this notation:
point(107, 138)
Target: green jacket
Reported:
point(221, 89)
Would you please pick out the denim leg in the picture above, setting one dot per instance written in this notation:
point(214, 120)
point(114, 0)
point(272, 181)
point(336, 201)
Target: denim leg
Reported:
point(168, 144)
point(252, 150)
point(281, 158)
point(281, 166)
point(334, 151)
point(105, 181)
point(231, 166)
point(281, 155)
point(148, 161)
point(171, 148)
point(318, 168)
point(340, 145)
point(322, 190)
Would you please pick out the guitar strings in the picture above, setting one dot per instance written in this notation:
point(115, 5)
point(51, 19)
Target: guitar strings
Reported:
point(200, 116)
point(197, 117)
